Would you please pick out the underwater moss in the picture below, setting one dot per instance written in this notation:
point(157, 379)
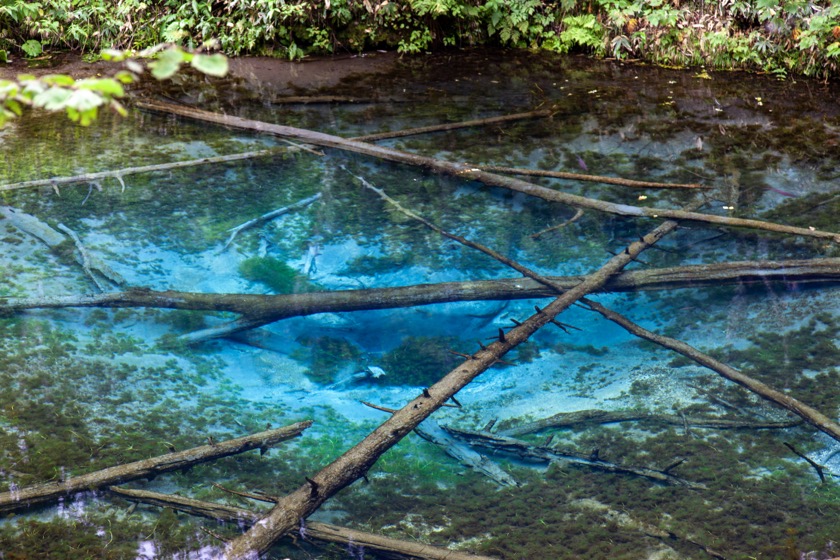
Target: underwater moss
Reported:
point(326, 356)
point(274, 273)
point(419, 360)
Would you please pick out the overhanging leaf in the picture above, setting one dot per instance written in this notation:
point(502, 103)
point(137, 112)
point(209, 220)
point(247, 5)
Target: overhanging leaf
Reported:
point(214, 64)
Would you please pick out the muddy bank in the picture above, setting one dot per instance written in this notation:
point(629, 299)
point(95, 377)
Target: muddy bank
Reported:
point(262, 73)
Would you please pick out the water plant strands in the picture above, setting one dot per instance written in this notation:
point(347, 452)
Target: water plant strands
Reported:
point(310, 530)
point(469, 172)
point(454, 126)
point(807, 413)
point(147, 468)
point(119, 173)
point(355, 463)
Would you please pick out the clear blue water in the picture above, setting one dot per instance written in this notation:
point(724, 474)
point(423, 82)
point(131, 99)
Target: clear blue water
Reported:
point(88, 388)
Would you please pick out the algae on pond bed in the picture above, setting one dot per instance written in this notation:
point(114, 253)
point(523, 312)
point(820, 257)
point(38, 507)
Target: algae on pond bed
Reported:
point(106, 385)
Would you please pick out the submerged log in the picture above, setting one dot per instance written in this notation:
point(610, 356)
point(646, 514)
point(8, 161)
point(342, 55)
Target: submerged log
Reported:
point(120, 173)
point(454, 126)
point(47, 492)
point(268, 216)
point(472, 173)
point(632, 183)
point(582, 418)
point(282, 306)
point(353, 464)
point(545, 454)
point(309, 530)
point(807, 413)
point(55, 241)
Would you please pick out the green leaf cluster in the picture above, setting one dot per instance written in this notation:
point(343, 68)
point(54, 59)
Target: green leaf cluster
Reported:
point(779, 37)
point(82, 99)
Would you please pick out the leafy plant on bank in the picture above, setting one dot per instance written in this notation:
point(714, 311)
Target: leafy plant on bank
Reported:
point(781, 37)
point(82, 99)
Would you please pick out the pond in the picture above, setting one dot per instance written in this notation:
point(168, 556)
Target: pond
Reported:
point(619, 448)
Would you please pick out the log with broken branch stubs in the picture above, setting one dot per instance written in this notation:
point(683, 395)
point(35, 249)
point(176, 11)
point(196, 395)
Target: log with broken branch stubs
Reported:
point(315, 530)
point(48, 492)
point(807, 413)
point(282, 306)
point(473, 173)
point(355, 463)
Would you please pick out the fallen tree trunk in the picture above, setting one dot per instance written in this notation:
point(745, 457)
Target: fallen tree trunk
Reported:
point(147, 468)
point(120, 173)
point(353, 464)
point(581, 418)
point(545, 454)
point(454, 126)
point(312, 529)
point(472, 173)
point(276, 307)
point(807, 413)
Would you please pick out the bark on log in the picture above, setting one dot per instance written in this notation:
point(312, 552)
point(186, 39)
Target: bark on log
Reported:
point(119, 173)
point(472, 173)
point(312, 529)
point(453, 126)
point(147, 468)
point(588, 178)
point(264, 309)
point(590, 417)
point(353, 464)
point(540, 453)
point(807, 413)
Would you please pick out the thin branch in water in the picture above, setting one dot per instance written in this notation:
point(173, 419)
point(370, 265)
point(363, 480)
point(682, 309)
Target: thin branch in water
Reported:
point(591, 178)
point(268, 216)
point(576, 217)
point(83, 255)
point(453, 126)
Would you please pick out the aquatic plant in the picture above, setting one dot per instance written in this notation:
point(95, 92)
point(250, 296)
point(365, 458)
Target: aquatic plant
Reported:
point(326, 356)
point(419, 360)
point(274, 273)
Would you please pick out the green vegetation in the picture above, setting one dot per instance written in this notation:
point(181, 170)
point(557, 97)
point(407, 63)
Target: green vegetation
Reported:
point(788, 37)
point(420, 361)
point(274, 273)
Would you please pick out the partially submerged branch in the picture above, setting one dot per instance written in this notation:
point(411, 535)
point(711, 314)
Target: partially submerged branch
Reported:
point(589, 178)
point(268, 216)
point(454, 126)
point(476, 174)
point(147, 468)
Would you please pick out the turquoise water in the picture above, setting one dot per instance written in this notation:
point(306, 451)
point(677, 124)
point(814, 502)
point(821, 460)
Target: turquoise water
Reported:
point(90, 387)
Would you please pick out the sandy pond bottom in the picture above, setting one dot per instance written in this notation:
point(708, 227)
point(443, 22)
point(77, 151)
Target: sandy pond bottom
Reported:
point(90, 388)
